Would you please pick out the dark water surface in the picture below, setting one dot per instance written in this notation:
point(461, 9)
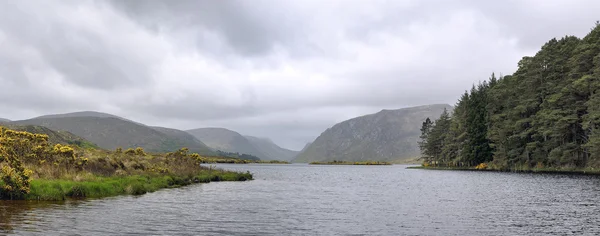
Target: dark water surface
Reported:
point(332, 200)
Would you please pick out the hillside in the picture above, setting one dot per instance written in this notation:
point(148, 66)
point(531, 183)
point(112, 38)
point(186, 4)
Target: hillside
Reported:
point(54, 137)
point(271, 150)
point(384, 136)
point(305, 147)
point(226, 140)
point(182, 138)
point(110, 132)
point(2, 120)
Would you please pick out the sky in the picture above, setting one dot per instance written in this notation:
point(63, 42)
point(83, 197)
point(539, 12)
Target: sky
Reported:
point(285, 70)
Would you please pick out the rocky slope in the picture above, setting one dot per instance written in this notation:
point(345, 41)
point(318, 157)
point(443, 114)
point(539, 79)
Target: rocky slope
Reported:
point(388, 135)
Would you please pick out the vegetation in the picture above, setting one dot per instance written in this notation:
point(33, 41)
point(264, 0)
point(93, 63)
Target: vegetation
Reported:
point(32, 168)
point(351, 163)
point(273, 162)
point(545, 116)
point(233, 160)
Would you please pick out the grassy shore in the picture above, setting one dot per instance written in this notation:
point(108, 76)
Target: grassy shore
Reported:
point(32, 168)
point(581, 171)
point(96, 186)
point(272, 162)
point(231, 160)
point(350, 163)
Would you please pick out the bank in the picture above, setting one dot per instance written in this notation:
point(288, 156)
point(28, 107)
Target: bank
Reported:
point(98, 187)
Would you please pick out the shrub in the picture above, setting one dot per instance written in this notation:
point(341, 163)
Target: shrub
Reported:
point(481, 166)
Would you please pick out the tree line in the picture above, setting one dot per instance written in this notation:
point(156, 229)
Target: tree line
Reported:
point(546, 114)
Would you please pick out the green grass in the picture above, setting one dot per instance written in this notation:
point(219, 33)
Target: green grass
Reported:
point(350, 163)
point(96, 187)
point(271, 162)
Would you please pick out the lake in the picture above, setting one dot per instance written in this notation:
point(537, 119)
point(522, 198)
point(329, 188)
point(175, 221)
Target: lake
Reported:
point(300, 199)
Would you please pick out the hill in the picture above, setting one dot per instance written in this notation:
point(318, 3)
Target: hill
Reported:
point(388, 135)
point(226, 140)
point(2, 120)
point(110, 132)
point(271, 150)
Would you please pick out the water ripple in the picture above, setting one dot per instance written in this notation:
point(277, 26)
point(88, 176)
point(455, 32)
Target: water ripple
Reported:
point(332, 200)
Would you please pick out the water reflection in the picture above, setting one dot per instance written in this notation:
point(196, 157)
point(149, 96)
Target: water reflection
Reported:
point(18, 212)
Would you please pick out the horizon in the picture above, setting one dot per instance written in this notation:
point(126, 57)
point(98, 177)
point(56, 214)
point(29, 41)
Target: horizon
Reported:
point(280, 70)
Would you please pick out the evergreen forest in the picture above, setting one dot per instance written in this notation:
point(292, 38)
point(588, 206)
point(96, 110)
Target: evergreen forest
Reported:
point(545, 115)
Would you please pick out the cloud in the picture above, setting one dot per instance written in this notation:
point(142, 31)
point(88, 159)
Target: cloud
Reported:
point(285, 70)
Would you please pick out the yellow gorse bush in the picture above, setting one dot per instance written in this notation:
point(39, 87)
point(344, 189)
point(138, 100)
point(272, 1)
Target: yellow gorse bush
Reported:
point(481, 166)
point(20, 148)
point(15, 145)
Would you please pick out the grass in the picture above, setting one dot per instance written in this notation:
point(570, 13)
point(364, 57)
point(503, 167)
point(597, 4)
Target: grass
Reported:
point(404, 161)
point(272, 162)
point(232, 160)
point(96, 187)
point(545, 170)
point(350, 163)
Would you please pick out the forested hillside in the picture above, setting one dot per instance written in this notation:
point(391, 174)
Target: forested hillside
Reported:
point(546, 114)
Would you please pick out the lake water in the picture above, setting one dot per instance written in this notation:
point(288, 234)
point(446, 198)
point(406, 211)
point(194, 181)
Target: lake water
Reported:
point(332, 200)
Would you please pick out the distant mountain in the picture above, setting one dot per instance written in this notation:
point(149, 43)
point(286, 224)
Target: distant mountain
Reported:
point(109, 132)
point(227, 140)
point(2, 120)
point(184, 139)
point(384, 136)
point(271, 150)
point(80, 114)
point(54, 137)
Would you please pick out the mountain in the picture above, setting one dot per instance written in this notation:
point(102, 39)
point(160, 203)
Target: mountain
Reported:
point(271, 150)
point(227, 140)
point(109, 132)
point(384, 136)
point(80, 114)
point(85, 114)
point(2, 120)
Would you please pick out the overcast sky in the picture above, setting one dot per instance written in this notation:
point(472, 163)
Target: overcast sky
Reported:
point(286, 70)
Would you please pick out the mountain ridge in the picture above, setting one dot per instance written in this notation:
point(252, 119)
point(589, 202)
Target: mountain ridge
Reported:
point(109, 132)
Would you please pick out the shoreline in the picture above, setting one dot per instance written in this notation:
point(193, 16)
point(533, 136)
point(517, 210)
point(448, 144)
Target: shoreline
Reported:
point(92, 187)
point(534, 170)
point(361, 163)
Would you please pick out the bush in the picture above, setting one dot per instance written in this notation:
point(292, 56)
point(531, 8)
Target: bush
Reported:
point(481, 166)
